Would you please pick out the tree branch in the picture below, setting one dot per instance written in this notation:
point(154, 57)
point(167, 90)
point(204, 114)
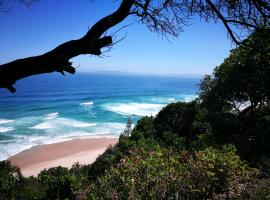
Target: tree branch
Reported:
point(220, 16)
point(57, 60)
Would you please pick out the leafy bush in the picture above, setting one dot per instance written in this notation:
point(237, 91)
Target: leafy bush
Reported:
point(176, 118)
point(179, 124)
point(59, 183)
point(10, 177)
point(163, 174)
point(260, 190)
point(141, 135)
point(143, 129)
point(236, 99)
point(243, 77)
point(30, 188)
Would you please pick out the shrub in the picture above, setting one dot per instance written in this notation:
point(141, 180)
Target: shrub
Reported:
point(163, 174)
point(143, 129)
point(141, 135)
point(10, 176)
point(59, 183)
point(30, 188)
point(260, 190)
point(177, 118)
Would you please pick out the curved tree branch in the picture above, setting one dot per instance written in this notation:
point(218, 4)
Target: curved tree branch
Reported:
point(57, 60)
point(221, 17)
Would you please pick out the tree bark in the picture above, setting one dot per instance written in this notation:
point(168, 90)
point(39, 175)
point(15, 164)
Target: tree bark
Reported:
point(57, 60)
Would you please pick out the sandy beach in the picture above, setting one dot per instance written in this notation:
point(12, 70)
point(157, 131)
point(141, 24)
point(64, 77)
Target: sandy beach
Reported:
point(84, 151)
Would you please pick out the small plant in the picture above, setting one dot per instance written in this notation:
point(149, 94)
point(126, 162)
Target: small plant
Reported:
point(128, 129)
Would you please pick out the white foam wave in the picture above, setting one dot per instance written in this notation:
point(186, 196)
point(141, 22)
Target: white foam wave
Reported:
point(171, 99)
point(11, 149)
point(109, 128)
point(62, 122)
point(59, 134)
point(52, 115)
point(6, 129)
point(87, 104)
point(5, 121)
point(75, 123)
point(82, 125)
point(139, 109)
point(43, 125)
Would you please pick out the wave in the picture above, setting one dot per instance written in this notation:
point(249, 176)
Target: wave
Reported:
point(171, 99)
point(82, 124)
point(43, 125)
point(87, 104)
point(53, 120)
point(60, 133)
point(139, 109)
point(6, 121)
point(52, 115)
point(109, 128)
point(6, 129)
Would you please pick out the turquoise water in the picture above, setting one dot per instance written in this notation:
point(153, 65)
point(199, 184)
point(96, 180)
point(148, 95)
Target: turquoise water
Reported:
point(52, 108)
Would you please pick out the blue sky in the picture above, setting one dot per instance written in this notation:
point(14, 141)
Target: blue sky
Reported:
point(28, 32)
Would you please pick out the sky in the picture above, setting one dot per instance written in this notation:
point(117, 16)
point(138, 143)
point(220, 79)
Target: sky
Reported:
point(46, 24)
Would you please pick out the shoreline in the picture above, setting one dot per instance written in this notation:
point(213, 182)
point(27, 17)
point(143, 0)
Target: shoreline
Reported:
point(65, 154)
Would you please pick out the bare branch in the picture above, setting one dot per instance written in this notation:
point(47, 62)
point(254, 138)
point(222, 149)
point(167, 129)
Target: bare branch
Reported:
point(230, 32)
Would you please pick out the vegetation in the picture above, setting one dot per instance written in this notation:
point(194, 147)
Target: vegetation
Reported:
point(215, 147)
point(236, 98)
point(159, 173)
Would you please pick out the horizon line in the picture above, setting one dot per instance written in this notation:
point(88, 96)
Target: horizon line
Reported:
point(141, 74)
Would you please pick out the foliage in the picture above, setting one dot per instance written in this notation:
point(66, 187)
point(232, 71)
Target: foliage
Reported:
point(128, 129)
point(258, 191)
point(162, 174)
point(141, 135)
point(181, 125)
point(59, 183)
point(176, 118)
point(143, 129)
point(30, 188)
point(243, 77)
point(10, 176)
point(236, 98)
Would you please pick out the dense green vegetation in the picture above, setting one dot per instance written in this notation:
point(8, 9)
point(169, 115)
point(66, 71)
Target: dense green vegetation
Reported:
point(216, 147)
point(235, 99)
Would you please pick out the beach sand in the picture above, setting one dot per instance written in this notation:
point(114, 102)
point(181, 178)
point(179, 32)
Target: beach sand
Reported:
point(84, 151)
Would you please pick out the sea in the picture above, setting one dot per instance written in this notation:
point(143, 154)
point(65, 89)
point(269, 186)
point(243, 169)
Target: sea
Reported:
point(52, 108)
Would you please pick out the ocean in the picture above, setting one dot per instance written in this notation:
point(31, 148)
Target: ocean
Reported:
point(52, 108)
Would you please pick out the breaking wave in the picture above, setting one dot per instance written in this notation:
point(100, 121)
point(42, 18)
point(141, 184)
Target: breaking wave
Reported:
point(139, 109)
point(87, 104)
point(52, 128)
point(6, 129)
point(5, 121)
